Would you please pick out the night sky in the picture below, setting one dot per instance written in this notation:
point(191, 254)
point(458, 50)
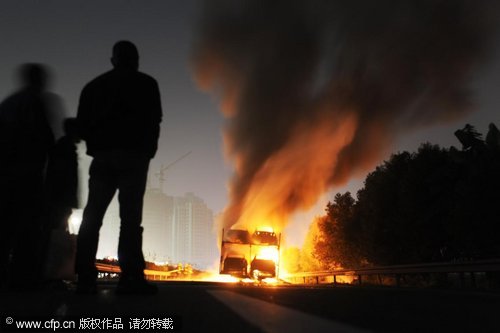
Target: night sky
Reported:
point(74, 38)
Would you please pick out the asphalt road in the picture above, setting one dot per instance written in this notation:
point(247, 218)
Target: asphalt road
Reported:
point(221, 307)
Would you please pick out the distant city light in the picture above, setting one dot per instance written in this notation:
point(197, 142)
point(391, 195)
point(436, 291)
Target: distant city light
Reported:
point(74, 221)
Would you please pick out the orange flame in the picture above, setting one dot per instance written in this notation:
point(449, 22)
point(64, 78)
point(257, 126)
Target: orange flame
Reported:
point(293, 177)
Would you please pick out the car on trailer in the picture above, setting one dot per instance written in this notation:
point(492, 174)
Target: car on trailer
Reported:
point(253, 256)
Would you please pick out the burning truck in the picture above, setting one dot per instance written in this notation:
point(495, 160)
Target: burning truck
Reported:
point(245, 255)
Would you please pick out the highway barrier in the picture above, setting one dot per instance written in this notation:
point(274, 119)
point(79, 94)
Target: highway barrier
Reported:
point(149, 274)
point(473, 274)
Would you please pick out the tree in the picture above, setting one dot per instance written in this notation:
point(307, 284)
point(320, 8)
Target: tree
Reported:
point(469, 137)
point(433, 205)
point(493, 137)
point(336, 246)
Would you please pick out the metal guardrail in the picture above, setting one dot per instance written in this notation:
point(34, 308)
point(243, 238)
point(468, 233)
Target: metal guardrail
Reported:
point(463, 269)
point(150, 274)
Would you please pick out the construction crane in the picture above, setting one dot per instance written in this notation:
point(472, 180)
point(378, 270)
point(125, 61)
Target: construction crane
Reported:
point(161, 174)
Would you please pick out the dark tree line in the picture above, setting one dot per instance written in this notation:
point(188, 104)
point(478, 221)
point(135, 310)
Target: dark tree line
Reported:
point(433, 205)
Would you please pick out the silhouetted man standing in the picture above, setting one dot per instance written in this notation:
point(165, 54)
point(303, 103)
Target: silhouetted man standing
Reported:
point(25, 141)
point(119, 116)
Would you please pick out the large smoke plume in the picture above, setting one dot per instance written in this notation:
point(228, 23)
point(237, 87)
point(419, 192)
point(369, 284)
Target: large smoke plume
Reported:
point(315, 91)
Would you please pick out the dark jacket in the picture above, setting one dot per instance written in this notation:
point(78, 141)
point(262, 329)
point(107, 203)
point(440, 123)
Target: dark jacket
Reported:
point(62, 174)
point(25, 134)
point(120, 111)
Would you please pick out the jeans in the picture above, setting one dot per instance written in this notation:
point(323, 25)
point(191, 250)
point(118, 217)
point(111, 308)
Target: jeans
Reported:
point(126, 173)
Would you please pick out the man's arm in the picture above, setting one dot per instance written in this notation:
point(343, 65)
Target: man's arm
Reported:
point(156, 118)
point(83, 116)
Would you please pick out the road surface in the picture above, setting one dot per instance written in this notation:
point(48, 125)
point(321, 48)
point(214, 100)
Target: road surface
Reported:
point(226, 307)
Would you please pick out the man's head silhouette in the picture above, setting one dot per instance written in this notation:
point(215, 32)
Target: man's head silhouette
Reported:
point(125, 55)
point(34, 76)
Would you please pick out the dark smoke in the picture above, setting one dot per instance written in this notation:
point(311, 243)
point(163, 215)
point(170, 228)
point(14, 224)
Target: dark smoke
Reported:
point(286, 69)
